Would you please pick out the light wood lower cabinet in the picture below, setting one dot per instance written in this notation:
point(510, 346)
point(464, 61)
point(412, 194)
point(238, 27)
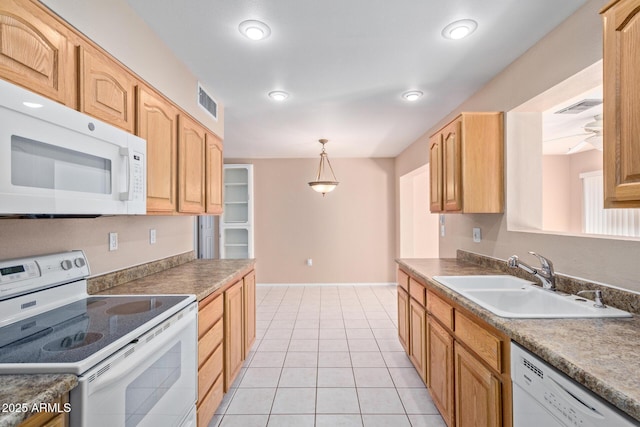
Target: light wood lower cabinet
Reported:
point(478, 392)
point(418, 338)
point(233, 333)
point(210, 357)
point(49, 419)
point(403, 318)
point(464, 361)
point(440, 368)
point(249, 301)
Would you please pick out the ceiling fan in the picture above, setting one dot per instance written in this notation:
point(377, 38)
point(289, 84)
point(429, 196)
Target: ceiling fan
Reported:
point(594, 129)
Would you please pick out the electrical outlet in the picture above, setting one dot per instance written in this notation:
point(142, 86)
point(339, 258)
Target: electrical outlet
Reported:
point(309, 262)
point(152, 236)
point(113, 241)
point(442, 230)
point(477, 235)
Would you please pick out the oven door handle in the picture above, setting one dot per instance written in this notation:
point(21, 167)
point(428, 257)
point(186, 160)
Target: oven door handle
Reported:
point(128, 359)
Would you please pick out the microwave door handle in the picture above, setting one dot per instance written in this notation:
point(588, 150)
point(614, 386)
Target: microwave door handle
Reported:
point(127, 195)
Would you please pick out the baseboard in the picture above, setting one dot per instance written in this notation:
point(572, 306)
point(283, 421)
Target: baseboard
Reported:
point(328, 284)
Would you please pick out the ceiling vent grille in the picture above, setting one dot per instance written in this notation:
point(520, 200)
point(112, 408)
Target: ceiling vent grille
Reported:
point(207, 102)
point(580, 106)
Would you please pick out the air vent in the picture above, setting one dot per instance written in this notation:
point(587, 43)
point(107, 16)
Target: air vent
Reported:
point(579, 107)
point(129, 352)
point(103, 370)
point(207, 102)
point(533, 368)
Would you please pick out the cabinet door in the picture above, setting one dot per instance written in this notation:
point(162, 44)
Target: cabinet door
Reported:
point(213, 174)
point(191, 143)
point(249, 311)
point(478, 392)
point(158, 125)
point(233, 341)
point(403, 318)
point(418, 338)
point(452, 166)
point(435, 173)
point(622, 105)
point(107, 90)
point(37, 52)
point(440, 369)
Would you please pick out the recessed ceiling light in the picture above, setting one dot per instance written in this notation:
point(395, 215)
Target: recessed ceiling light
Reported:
point(412, 95)
point(32, 104)
point(459, 29)
point(278, 95)
point(254, 30)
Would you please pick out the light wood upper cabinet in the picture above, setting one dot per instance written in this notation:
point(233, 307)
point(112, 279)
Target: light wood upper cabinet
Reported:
point(435, 173)
point(37, 52)
point(452, 164)
point(467, 165)
point(621, 104)
point(158, 124)
point(107, 90)
point(191, 166)
point(214, 164)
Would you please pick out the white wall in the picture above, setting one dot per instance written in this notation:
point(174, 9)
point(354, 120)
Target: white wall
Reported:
point(573, 46)
point(418, 227)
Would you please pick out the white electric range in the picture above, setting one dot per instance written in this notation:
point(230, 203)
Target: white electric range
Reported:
point(135, 356)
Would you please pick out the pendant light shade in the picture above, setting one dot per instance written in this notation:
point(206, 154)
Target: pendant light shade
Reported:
point(325, 179)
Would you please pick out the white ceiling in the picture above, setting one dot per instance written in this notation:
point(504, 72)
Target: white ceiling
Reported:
point(345, 64)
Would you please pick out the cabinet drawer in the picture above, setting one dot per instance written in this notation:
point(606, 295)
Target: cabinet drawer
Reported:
point(417, 291)
point(209, 313)
point(440, 309)
point(485, 344)
point(209, 403)
point(403, 280)
point(210, 370)
point(211, 339)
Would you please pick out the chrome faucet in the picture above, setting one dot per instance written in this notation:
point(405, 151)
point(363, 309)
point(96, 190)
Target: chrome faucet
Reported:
point(597, 297)
point(545, 273)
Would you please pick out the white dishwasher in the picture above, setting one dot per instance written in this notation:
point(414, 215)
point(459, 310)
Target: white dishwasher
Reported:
point(543, 396)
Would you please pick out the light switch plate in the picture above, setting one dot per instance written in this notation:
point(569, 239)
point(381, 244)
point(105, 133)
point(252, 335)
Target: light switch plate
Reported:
point(152, 236)
point(477, 235)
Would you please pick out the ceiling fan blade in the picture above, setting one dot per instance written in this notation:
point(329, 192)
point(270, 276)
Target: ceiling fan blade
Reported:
point(567, 137)
point(578, 147)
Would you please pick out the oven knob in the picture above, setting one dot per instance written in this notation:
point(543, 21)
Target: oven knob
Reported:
point(66, 264)
point(79, 262)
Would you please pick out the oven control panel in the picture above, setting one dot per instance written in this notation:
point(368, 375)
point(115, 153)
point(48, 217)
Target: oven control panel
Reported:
point(23, 275)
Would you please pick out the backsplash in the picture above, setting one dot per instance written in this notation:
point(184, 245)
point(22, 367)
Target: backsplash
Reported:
point(109, 280)
point(615, 297)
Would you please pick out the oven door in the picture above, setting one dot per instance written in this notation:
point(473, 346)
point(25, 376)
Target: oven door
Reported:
point(55, 160)
point(150, 382)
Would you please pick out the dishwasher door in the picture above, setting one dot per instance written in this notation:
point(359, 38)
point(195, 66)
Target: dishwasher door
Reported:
point(543, 396)
point(528, 412)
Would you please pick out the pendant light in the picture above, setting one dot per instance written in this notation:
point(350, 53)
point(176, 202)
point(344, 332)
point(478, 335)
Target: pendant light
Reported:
point(324, 182)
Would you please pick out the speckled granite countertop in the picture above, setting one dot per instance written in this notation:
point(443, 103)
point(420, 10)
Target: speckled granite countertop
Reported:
point(201, 277)
point(601, 354)
point(30, 390)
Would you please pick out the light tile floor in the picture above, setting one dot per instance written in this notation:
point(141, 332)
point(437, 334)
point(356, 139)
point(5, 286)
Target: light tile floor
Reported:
point(327, 356)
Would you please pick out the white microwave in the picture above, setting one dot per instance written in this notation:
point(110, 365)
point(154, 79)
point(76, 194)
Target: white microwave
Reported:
point(57, 161)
